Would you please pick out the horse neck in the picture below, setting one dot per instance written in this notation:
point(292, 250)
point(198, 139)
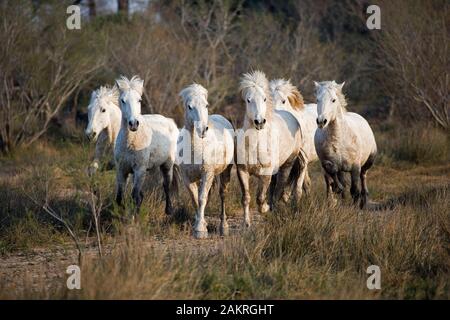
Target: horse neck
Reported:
point(337, 125)
point(115, 117)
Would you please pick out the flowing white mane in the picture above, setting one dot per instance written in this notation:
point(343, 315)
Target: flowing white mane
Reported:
point(289, 90)
point(134, 83)
point(333, 86)
point(194, 89)
point(255, 80)
point(105, 93)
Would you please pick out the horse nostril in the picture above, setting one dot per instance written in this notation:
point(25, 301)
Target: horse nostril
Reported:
point(325, 121)
point(137, 123)
point(317, 121)
point(130, 123)
point(264, 121)
point(206, 129)
point(255, 121)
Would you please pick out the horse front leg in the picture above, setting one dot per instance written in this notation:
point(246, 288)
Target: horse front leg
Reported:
point(263, 186)
point(354, 188)
point(364, 190)
point(343, 184)
point(193, 191)
point(272, 186)
point(101, 147)
point(200, 227)
point(167, 172)
point(295, 181)
point(121, 181)
point(137, 194)
point(307, 184)
point(244, 177)
point(302, 181)
point(330, 194)
point(333, 171)
point(363, 176)
point(225, 178)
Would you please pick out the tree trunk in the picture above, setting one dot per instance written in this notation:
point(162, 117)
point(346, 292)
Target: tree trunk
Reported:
point(123, 6)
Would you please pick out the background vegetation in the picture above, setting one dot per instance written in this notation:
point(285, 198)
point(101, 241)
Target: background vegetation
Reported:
point(397, 77)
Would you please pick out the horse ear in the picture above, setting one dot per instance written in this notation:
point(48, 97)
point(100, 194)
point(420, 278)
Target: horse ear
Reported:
point(340, 85)
point(316, 85)
point(138, 85)
point(121, 84)
point(114, 91)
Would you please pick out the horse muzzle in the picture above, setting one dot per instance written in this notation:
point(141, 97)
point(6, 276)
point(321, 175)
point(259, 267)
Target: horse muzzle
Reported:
point(133, 125)
point(202, 132)
point(321, 122)
point(259, 125)
point(92, 136)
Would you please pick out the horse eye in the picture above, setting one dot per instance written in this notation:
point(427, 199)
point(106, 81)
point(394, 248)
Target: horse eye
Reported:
point(123, 101)
point(265, 99)
point(103, 110)
point(190, 107)
point(140, 100)
point(334, 100)
point(284, 101)
point(207, 105)
point(248, 100)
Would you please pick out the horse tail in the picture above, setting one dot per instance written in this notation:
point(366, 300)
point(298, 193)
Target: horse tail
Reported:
point(296, 170)
point(294, 174)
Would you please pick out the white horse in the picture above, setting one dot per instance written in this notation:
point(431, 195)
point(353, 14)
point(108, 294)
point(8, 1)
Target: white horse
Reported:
point(274, 142)
point(205, 150)
point(144, 142)
point(104, 123)
point(344, 142)
point(287, 97)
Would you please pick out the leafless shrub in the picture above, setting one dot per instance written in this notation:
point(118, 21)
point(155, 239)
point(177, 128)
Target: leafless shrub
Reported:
point(413, 52)
point(42, 63)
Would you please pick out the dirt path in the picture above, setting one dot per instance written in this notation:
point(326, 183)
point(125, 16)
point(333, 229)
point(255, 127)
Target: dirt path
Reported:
point(44, 266)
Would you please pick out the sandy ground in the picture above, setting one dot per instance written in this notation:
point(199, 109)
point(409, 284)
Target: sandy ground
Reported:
point(47, 266)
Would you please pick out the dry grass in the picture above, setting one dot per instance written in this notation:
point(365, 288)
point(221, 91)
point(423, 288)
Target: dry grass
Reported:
point(311, 251)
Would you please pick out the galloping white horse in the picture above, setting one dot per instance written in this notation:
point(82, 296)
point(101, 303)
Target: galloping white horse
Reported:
point(274, 142)
point(344, 142)
point(104, 123)
point(144, 142)
point(205, 150)
point(287, 97)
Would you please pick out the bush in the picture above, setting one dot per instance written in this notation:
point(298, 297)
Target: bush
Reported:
point(412, 52)
point(418, 145)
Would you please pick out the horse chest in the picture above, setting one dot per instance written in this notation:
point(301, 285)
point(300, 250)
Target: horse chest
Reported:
point(343, 155)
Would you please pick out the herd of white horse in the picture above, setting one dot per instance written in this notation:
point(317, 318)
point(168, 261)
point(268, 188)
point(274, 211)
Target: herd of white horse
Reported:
point(280, 136)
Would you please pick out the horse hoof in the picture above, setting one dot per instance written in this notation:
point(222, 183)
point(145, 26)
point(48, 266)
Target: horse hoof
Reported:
point(200, 234)
point(332, 202)
point(91, 171)
point(264, 208)
point(224, 231)
point(286, 197)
